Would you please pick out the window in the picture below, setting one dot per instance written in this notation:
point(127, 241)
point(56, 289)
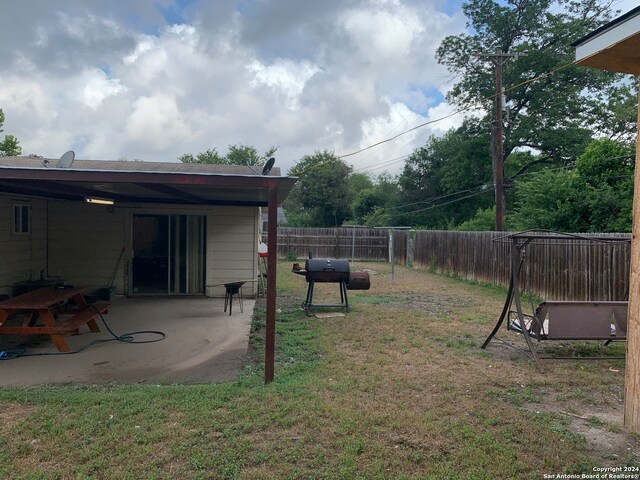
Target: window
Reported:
point(21, 219)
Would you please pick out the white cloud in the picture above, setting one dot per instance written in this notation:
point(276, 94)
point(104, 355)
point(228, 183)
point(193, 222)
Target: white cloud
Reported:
point(157, 123)
point(98, 87)
point(386, 34)
point(117, 82)
point(284, 76)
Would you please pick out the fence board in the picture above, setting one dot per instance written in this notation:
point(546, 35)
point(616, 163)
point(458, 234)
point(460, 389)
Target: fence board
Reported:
point(365, 243)
point(572, 270)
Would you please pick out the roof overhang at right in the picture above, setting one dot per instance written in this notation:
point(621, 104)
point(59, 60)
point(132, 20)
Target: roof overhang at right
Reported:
point(614, 47)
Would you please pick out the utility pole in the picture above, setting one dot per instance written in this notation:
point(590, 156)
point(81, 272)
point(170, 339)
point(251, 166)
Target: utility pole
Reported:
point(497, 147)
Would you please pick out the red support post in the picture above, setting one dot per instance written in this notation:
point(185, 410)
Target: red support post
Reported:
point(272, 256)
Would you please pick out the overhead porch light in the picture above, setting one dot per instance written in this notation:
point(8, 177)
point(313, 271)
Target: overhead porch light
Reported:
point(99, 201)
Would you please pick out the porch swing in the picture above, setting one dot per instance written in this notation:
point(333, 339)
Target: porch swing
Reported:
point(558, 320)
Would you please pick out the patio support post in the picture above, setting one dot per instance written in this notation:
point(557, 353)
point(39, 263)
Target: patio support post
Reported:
point(272, 256)
point(632, 372)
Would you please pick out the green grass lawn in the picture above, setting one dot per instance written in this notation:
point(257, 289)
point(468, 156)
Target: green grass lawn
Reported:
point(397, 388)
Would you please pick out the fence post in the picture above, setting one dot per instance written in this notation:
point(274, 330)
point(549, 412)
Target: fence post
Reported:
point(392, 249)
point(411, 245)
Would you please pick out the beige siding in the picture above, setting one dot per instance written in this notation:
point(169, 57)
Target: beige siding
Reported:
point(22, 256)
point(85, 242)
point(82, 243)
point(232, 248)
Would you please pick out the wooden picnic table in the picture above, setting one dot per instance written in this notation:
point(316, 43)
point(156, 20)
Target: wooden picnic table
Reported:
point(42, 308)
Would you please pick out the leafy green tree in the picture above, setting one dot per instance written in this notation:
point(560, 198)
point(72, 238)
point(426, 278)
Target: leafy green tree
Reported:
point(617, 115)
point(359, 182)
point(364, 203)
point(320, 198)
point(9, 146)
point(438, 175)
point(606, 168)
point(236, 155)
point(553, 115)
point(551, 200)
point(483, 221)
point(379, 195)
point(596, 196)
point(378, 217)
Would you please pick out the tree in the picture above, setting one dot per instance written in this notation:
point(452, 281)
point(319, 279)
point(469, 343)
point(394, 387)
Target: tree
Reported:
point(483, 221)
point(552, 115)
point(320, 198)
point(238, 154)
point(441, 184)
point(551, 200)
point(596, 196)
point(9, 146)
point(606, 168)
point(374, 206)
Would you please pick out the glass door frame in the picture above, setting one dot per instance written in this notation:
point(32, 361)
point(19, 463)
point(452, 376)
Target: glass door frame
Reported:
point(170, 270)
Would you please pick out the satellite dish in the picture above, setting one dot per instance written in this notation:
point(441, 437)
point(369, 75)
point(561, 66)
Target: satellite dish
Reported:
point(268, 166)
point(66, 160)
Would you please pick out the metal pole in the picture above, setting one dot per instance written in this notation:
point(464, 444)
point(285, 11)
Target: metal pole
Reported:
point(392, 241)
point(353, 245)
point(272, 247)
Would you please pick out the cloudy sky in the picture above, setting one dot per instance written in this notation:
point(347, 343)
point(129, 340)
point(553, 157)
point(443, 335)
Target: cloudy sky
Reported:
point(153, 79)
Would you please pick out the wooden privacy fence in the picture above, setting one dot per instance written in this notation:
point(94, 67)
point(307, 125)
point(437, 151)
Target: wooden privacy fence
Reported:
point(364, 243)
point(565, 270)
point(400, 246)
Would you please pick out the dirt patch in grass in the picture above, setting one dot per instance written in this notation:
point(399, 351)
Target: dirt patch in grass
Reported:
point(13, 413)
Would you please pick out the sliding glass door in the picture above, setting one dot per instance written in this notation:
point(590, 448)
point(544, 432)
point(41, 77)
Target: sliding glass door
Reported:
point(168, 254)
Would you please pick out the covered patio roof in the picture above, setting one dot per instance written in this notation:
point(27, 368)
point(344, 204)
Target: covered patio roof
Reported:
point(614, 47)
point(142, 182)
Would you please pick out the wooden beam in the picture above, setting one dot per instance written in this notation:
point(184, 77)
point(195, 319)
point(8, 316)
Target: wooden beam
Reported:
point(632, 371)
point(272, 256)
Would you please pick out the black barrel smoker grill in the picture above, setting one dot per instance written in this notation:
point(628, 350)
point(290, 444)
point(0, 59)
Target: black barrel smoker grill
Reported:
point(331, 271)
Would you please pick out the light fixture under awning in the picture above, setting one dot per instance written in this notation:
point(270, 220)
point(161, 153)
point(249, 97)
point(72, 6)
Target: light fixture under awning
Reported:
point(99, 201)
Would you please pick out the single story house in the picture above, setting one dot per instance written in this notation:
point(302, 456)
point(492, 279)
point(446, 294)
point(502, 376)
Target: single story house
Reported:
point(147, 228)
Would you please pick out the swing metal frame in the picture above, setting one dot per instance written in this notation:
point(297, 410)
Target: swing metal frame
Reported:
point(531, 326)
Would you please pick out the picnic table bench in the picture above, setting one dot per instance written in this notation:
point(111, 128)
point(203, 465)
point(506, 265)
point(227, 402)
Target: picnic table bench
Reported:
point(41, 310)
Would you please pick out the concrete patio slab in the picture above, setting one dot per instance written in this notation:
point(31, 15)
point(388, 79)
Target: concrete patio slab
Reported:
point(202, 345)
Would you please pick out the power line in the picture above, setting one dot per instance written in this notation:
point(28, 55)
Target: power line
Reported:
point(460, 110)
point(386, 163)
point(489, 189)
point(485, 188)
point(440, 197)
point(424, 124)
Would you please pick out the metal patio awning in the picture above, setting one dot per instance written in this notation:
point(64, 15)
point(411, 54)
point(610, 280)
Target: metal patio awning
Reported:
point(160, 183)
point(141, 182)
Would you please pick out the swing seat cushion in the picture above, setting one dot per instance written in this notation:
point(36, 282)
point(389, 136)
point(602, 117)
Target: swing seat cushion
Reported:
point(584, 320)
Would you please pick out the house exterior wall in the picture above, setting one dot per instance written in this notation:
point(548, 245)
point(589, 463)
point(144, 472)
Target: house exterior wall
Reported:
point(22, 256)
point(232, 253)
point(83, 243)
